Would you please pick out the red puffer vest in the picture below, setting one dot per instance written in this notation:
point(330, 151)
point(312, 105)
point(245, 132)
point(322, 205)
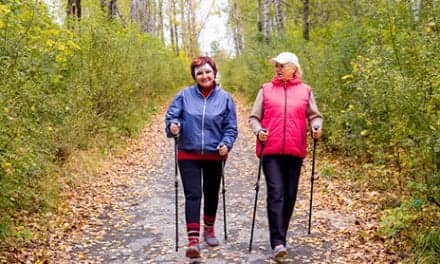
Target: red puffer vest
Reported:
point(285, 116)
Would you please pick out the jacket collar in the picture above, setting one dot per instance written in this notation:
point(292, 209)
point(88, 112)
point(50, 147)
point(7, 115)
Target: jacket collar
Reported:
point(294, 81)
point(198, 89)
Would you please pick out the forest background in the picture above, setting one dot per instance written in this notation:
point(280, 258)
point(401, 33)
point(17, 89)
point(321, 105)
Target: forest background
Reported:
point(76, 83)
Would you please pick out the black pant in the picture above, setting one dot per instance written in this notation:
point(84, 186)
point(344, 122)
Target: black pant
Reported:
point(282, 177)
point(194, 173)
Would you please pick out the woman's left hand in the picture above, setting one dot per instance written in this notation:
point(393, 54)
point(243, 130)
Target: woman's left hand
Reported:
point(316, 132)
point(222, 150)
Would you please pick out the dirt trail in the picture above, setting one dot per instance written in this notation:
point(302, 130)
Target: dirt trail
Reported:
point(137, 223)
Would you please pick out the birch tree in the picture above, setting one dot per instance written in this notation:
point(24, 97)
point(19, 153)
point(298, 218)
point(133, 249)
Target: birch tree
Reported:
point(192, 29)
point(279, 17)
point(142, 13)
point(189, 27)
point(138, 13)
point(416, 6)
point(259, 17)
point(236, 29)
point(149, 14)
point(266, 20)
point(174, 35)
point(306, 23)
point(160, 26)
point(183, 28)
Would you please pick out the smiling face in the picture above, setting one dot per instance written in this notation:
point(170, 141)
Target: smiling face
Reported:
point(204, 76)
point(285, 71)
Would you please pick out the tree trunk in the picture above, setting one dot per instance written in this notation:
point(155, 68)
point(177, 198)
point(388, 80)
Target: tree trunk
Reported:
point(236, 28)
point(113, 9)
point(152, 18)
point(280, 18)
point(306, 23)
point(189, 35)
point(139, 14)
point(189, 28)
point(171, 19)
point(194, 35)
point(147, 17)
point(416, 6)
point(355, 8)
point(103, 5)
point(160, 22)
point(74, 8)
point(259, 17)
point(183, 26)
point(266, 25)
point(135, 11)
point(173, 26)
point(176, 33)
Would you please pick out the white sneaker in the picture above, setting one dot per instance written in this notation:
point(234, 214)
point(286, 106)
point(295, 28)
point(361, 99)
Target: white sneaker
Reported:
point(279, 251)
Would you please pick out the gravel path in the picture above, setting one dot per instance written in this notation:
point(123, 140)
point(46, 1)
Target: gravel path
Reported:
point(138, 224)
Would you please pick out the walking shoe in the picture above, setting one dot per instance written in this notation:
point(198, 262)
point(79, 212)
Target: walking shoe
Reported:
point(193, 250)
point(210, 238)
point(279, 251)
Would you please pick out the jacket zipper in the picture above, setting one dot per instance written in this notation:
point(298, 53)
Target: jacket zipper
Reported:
point(205, 100)
point(285, 117)
point(203, 125)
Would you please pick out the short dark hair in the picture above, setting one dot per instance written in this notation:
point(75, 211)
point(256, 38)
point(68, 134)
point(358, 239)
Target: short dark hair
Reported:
point(199, 61)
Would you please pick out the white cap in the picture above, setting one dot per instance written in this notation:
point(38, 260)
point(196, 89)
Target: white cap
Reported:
point(285, 57)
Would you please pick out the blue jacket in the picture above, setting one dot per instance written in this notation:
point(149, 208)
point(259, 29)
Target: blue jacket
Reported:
point(205, 123)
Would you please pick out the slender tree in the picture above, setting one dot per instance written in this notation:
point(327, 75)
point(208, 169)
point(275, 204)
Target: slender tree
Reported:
point(152, 17)
point(183, 27)
point(160, 26)
point(259, 17)
point(192, 28)
point(171, 22)
point(416, 7)
point(143, 13)
point(173, 25)
point(176, 33)
point(306, 23)
point(113, 8)
point(266, 20)
point(189, 27)
point(234, 19)
point(138, 13)
point(279, 17)
point(74, 8)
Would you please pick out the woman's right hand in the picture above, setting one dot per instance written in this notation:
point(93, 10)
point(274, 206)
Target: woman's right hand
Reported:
point(175, 129)
point(262, 135)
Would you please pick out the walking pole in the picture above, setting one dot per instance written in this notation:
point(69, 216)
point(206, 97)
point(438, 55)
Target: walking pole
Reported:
point(176, 141)
point(257, 188)
point(224, 199)
point(312, 179)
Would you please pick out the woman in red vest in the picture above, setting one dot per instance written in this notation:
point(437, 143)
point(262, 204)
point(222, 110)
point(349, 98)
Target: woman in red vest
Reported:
point(282, 110)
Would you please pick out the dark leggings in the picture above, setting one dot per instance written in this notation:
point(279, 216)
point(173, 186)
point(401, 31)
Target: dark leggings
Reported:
point(282, 177)
point(193, 173)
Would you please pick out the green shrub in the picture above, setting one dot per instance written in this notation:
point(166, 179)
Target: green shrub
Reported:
point(65, 89)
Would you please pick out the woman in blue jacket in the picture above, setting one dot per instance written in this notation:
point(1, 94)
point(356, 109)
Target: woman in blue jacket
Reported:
point(203, 118)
